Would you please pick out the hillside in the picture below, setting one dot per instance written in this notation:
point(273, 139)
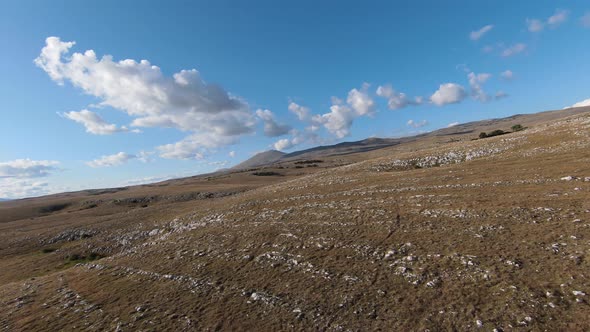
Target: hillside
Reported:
point(262, 158)
point(441, 231)
point(461, 131)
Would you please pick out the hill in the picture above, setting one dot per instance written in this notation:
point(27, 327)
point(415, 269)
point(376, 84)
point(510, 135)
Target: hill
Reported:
point(262, 158)
point(443, 231)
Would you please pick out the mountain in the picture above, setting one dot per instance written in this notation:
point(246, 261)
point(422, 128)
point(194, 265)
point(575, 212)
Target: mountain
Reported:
point(260, 159)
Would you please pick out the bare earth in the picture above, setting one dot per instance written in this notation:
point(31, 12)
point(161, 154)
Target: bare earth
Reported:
point(439, 232)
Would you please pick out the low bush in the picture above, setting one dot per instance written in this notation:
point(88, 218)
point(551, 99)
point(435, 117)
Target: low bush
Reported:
point(266, 173)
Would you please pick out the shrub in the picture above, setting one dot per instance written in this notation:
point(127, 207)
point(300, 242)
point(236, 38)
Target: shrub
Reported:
point(313, 161)
point(496, 132)
point(267, 173)
point(517, 127)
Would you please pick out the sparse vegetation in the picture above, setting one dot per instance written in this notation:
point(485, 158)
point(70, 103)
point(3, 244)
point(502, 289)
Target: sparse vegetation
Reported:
point(496, 132)
point(54, 207)
point(517, 127)
point(78, 258)
point(313, 161)
point(267, 173)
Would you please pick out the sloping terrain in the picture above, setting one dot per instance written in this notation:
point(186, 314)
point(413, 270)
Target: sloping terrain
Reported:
point(440, 232)
point(262, 158)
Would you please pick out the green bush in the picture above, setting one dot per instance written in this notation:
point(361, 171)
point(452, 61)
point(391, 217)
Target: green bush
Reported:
point(517, 127)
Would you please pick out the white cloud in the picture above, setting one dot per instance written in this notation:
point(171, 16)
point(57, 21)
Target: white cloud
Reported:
point(283, 144)
point(341, 116)
point(111, 160)
point(452, 124)
point(195, 146)
point(448, 93)
point(396, 100)
point(582, 103)
point(302, 112)
point(585, 20)
point(475, 83)
point(560, 16)
point(183, 101)
point(417, 124)
point(476, 35)
point(360, 101)
point(94, 124)
point(507, 75)
point(339, 120)
point(534, 25)
point(232, 154)
point(271, 127)
point(20, 188)
point(27, 168)
point(145, 156)
point(513, 50)
point(309, 135)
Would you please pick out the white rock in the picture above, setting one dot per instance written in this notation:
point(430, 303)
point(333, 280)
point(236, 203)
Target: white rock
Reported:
point(479, 323)
point(567, 178)
point(578, 293)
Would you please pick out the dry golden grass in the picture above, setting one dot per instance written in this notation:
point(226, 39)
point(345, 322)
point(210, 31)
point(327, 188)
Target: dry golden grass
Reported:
point(438, 233)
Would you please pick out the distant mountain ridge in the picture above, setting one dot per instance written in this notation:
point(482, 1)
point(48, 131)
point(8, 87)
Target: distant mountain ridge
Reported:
point(262, 158)
point(269, 157)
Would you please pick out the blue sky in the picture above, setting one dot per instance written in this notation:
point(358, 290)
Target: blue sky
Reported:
point(235, 78)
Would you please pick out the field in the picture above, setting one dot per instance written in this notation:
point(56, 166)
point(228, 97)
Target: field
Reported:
point(439, 232)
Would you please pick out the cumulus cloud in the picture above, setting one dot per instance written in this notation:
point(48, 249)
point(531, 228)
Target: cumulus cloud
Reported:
point(184, 101)
point(232, 154)
point(507, 75)
point(417, 124)
point(475, 83)
point(195, 146)
point(308, 135)
point(27, 168)
point(582, 103)
point(585, 20)
point(18, 188)
point(477, 34)
point(360, 101)
point(271, 127)
point(302, 112)
point(283, 144)
point(111, 160)
point(534, 25)
point(448, 93)
point(94, 124)
point(339, 120)
point(341, 116)
point(396, 100)
point(513, 50)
